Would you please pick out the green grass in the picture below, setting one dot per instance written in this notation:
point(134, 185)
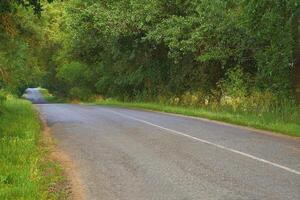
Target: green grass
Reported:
point(25, 172)
point(266, 121)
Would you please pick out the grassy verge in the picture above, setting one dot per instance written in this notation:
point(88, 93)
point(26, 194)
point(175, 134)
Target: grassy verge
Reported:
point(25, 170)
point(265, 122)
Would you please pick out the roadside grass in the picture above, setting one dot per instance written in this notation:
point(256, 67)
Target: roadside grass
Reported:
point(25, 171)
point(265, 121)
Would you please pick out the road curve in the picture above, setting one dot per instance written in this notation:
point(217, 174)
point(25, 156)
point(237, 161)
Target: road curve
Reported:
point(34, 95)
point(131, 154)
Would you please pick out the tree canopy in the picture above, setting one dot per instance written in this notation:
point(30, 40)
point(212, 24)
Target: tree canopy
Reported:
point(133, 49)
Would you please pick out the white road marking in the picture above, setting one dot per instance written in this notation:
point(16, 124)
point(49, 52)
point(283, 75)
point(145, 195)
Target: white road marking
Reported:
point(210, 143)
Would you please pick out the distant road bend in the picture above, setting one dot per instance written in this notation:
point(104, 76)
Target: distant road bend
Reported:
point(134, 155)
point(34, 95)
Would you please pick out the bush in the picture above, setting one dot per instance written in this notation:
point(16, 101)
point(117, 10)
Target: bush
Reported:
point(235, 84)
point(80, 93)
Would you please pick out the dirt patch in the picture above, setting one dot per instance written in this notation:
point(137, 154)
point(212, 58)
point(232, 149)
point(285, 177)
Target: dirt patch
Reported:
point(72, 185)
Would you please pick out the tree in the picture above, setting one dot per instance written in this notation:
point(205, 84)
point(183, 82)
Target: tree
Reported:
point(9, 5)
point(296, 49)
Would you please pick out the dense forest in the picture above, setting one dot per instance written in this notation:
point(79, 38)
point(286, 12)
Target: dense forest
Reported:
point(189, 52)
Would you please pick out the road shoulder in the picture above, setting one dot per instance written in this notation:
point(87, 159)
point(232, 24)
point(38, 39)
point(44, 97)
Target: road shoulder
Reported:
point(72, 184)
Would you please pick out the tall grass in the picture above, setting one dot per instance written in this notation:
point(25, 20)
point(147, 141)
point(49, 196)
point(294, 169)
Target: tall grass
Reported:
point(22, 160)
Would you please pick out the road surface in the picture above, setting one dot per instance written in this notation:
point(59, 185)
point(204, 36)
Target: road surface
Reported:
point(129, 154)
point(34, 95)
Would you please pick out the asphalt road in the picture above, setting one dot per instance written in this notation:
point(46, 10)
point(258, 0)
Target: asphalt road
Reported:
point(129, 154)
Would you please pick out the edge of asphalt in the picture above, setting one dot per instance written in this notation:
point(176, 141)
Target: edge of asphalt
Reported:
point(248, 128)
point(77, 191)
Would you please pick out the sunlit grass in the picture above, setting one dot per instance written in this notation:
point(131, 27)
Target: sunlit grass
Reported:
point(23, 164)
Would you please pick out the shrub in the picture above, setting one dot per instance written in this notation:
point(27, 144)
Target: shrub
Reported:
point(235, 84)
point(80, 93)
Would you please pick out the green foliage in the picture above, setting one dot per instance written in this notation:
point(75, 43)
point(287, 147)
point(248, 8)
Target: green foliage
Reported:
point(72, 73)
point(143, 49)
point(270, 27)
point(3, 97)
point(80, 93)
point(8, 5)
point(236, 82)
point(75, 77)
point(20, 60)
point(134, 49)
